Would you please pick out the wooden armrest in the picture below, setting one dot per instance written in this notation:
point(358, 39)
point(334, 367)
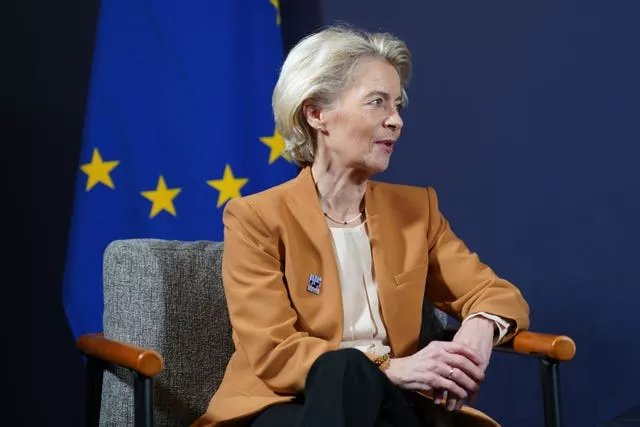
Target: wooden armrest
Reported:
point(559, 347)
point(144, 361)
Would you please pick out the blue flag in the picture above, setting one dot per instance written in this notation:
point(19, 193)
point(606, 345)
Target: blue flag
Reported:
point(178, 122)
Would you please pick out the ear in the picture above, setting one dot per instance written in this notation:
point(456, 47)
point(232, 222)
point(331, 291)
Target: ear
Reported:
point(313, 115)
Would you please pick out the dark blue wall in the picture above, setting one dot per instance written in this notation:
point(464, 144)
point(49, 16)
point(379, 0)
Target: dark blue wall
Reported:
point(525, 117)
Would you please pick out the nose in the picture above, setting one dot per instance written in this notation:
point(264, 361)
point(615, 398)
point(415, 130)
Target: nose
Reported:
point(394, 121)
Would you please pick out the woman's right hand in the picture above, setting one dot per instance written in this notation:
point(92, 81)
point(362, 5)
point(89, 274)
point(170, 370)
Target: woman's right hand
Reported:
point(439, 366)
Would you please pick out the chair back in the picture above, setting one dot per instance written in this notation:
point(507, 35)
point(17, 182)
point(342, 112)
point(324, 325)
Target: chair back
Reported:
point(167, 296)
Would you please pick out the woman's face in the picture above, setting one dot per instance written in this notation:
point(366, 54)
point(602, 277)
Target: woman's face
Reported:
point(362, 126)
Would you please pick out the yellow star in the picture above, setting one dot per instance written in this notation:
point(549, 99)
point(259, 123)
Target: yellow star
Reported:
point(276, 143)
point(98, 171)
point(276, 4)
point(162, 198)
point(229, 186)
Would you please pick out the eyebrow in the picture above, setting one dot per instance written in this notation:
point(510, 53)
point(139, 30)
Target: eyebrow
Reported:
point(385, 95)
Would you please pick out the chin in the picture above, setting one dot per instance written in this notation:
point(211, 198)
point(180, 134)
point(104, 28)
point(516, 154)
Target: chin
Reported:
point(378, 167)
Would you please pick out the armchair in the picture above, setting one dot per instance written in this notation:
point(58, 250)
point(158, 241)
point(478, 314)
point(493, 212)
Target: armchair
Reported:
point(167, 337)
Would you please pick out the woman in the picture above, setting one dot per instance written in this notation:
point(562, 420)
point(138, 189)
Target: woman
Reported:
point(325, 275)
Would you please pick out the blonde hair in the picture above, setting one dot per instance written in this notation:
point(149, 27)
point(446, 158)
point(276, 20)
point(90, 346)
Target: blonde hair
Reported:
point(317, 69)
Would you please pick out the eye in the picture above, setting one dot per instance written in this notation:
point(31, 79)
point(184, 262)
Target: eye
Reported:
point(376, 102)
point(399, 107)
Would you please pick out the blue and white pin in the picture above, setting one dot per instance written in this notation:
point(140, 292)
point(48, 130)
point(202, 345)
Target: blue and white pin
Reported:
point(314, 284)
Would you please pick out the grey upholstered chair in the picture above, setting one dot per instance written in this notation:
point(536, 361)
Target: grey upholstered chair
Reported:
point(167, 337)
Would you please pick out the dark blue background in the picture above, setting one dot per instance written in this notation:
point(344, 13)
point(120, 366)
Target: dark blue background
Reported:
point(525, 117)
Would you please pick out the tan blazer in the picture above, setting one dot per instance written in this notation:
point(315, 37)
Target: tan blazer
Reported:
point(274, 241)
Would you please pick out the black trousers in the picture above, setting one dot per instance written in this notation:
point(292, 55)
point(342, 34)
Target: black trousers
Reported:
point(343, 389)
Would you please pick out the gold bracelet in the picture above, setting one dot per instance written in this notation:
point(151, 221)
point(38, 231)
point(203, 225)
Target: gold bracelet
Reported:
point(382, 362)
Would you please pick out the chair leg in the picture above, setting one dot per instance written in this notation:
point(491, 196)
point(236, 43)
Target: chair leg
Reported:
point(550, 376)
point(93, 389)
point(143, 395)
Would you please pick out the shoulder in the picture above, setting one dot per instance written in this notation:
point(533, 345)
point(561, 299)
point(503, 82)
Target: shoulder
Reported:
point(410, 204)
point(271, 195)
point(262, 202)
point(403, 195)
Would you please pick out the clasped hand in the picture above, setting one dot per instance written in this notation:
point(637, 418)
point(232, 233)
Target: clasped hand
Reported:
point(452, 371)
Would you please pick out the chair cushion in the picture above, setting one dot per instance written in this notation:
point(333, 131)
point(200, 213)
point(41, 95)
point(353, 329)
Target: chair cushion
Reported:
point(167, 296)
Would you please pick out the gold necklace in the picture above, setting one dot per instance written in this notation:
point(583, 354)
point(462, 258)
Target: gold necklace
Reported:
point(343, 222)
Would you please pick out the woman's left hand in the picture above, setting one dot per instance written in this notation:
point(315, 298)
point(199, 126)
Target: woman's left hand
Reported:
point(476, 333)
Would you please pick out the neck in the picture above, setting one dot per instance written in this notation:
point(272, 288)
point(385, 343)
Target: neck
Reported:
point(341, 191)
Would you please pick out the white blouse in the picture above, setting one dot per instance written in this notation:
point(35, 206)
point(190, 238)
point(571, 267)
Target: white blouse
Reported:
point(363, 327)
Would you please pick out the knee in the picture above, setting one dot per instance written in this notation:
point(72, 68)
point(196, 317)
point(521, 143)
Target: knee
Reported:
point(344, 357)
point(344, 366)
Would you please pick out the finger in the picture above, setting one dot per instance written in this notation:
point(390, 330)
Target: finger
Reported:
point(451, 404)
point(453, 389)
point(459, 377)
point(448, 402)
point(464, 365)
point(466, 351)
point(462, 379)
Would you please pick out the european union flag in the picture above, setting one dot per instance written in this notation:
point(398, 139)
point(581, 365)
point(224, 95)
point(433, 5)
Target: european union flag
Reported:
point(178, 122)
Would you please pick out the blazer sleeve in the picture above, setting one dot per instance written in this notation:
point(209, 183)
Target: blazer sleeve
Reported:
point(460, 284)
point(260, 310)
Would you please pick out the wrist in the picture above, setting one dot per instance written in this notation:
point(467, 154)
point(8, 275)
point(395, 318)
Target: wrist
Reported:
point(383, 362)
point(484, 323)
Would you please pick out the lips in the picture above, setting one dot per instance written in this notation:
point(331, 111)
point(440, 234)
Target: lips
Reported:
point(386, 144)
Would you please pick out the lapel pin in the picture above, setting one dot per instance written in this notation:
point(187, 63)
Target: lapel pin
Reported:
point(314, 284)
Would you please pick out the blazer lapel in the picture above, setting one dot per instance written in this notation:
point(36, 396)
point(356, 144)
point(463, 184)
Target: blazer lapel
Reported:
point(401, 305)
point(380, 235)
point(314, 254)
